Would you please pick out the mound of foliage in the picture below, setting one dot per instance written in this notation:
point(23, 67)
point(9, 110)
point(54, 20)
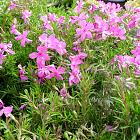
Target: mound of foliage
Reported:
point(69, 74)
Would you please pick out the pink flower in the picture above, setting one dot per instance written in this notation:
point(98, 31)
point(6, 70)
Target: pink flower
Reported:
point(23, 107)
point(55, 44)
point(124, 61)
point(77, 59)
point(23, 38)
point(25, 15)
point(52, 17)
point(60, 20)
point(46, 23)
point(79, 18)
point(43, 39)
point(13, 28)
point(7, 48)
point(134, 21)
point(92, 8)
point(117, 77)
point(44, 18)
point(136, 51)
point(74, 78)
point(109, 128)
point(85, 30)
point(110, 9)
point(75, 75)
point(137, 60)
point(76, 48)
point(61, 48)
point(2, 57)
point(137, 9)
point(118, 32)
point(22, 73)
point(101, 28)
point(40, 63)
point(4, 50)
point(55, 72)
point(79, 6)
point(132, 24)
point(43, 72)
point(63, 92)
point(5, 110)
point(41, 56)
point(12, 6)
point(1, 104)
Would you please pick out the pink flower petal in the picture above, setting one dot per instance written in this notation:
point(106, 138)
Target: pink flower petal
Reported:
point(33, 55)
point(1, 112)
point(8, 110)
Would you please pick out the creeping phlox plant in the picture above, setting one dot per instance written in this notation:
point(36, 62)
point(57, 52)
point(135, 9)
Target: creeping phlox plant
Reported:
point(100, 28)
point(88, 26)
point(62, 50)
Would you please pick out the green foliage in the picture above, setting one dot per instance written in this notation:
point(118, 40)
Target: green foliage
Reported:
point(98, 101)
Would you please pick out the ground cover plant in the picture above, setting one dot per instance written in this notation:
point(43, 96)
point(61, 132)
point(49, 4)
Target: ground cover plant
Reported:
point(69, 71)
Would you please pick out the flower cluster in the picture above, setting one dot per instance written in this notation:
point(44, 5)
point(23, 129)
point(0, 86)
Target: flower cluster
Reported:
point(126, 61)
point(50, 18)
point(52, 43)
point(41, 56)
point(100, 28)
point(88, 26)
point(75, 75)
point(5, 49)
point(21, 36)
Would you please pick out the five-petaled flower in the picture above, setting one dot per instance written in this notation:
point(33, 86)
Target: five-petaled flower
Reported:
point(85, 30)
point(55, 72)
point(41, 56)
point(23, 38)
